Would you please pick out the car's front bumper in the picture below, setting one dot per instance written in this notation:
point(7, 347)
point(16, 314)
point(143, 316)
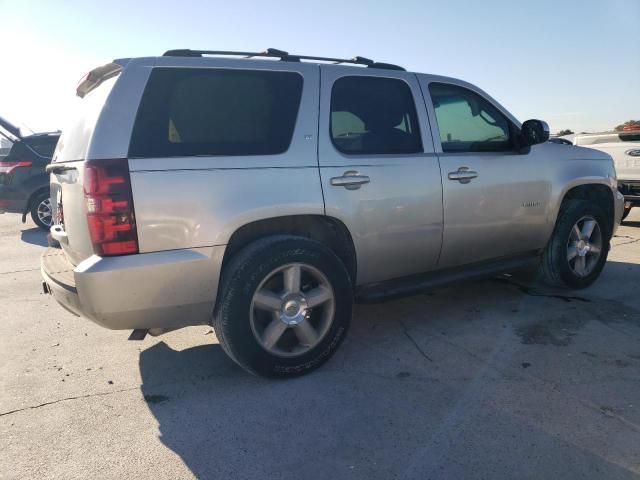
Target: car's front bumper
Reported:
point(165, 290)
point(631, 190)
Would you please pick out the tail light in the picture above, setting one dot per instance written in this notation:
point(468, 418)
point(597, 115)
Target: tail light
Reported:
point(8, 167)
point(110, 214)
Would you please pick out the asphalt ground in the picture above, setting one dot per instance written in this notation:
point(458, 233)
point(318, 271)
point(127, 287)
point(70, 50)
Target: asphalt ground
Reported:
point(493, 379)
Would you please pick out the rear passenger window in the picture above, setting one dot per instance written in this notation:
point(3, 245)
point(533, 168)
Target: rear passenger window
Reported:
point(187, 112)
point(373, 115)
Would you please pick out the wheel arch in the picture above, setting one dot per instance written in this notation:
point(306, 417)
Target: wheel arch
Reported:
point(32, 197)
point(595, 191)
point(329, 231)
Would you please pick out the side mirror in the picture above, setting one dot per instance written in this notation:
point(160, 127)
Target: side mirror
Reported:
point(534, 132)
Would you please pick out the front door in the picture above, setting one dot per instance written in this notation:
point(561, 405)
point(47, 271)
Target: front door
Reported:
point(379, 173)
point(495, 198)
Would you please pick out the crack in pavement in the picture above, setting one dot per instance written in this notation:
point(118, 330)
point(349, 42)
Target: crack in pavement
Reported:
point(504, 372)
point(20, 271)
point(535, 293)
point(412, 340)
point(89, 395)
point(627, 243)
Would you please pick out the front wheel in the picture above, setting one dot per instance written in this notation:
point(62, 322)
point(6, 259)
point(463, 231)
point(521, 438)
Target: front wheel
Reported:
point(41, 211)
point(285, 306)
point(578, 250)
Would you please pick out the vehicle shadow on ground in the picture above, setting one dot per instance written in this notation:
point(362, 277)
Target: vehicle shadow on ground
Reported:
point(631, 223)
point(35, 236)
point(396, 401)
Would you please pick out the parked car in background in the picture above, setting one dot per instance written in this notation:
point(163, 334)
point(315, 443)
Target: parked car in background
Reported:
point(24, 184)
point(624, 147)
point(5, 146)
point(263, 197)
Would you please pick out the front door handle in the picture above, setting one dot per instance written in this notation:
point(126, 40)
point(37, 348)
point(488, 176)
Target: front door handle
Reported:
point(350, 180)
point(463, 175)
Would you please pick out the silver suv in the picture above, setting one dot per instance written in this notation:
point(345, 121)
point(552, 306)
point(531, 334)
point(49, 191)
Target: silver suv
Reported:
point(264, 195)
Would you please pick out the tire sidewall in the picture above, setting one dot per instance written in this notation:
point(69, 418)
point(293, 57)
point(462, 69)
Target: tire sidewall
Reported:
point(34, 211)
point(573, 212)
point(242, 278)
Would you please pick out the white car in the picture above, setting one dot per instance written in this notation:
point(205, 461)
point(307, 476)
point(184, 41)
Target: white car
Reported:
point(624, 147)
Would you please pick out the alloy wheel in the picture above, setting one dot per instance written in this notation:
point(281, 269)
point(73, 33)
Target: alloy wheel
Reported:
point(292, 310)
point(584, 247)
point(44, 212)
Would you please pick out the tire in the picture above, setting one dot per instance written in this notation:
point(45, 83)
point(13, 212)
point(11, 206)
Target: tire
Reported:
point(39, 206)
point(626, 211)
point(561, 263)
point(245, 327)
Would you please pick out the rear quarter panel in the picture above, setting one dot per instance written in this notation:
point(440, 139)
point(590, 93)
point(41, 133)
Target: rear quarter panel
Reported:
point(187, 202)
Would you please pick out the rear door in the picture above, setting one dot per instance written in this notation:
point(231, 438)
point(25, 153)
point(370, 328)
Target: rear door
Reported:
point(495, 198)
point(379, 173)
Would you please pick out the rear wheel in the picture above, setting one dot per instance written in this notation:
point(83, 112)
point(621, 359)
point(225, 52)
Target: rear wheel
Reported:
point(285, 306)
point(41, 211)
point(578, 250)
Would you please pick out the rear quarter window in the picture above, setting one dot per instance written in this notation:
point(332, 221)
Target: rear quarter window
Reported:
point(216, 112)
point(76, 136)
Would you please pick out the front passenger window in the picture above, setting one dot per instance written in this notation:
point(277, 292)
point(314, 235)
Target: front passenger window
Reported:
point(467, 122)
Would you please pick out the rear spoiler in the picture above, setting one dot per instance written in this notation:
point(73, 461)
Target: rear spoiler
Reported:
point(98, 75)
point(11, 128)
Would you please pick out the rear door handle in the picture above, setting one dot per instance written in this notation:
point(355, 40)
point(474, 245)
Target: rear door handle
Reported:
point(350, 180)
point(463, 175)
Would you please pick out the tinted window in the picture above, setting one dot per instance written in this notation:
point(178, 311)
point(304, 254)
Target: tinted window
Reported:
point(371, 115)
point(187, 112)
point(630, 137)
point(467, 122)
point(44, 145)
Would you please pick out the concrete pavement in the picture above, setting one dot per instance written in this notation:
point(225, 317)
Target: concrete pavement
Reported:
point(491, 380)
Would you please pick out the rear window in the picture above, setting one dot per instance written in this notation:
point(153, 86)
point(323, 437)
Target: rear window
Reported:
point(211, 112)
point(45, 148)
point(630, 137)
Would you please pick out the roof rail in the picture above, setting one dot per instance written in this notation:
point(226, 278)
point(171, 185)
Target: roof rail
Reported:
point(282, 55)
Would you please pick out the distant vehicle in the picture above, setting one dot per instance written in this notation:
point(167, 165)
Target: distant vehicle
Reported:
point(264, 197)
point(560, 140)
point(24, 184)
point(5, 146)
point(624, 147)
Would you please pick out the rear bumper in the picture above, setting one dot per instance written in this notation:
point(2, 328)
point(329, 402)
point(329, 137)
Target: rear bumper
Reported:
point(169, 289)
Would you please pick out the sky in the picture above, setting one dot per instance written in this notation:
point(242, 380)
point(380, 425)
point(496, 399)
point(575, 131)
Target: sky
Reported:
point(573, 63)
